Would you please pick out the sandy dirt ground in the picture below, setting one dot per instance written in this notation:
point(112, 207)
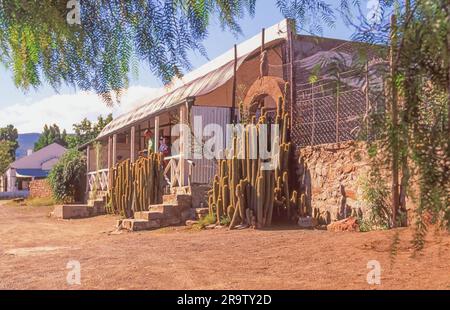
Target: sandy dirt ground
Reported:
point(35, 250)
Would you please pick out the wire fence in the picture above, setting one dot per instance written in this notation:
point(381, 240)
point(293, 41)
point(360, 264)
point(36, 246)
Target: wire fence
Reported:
point(336, 107)
point(325, 114)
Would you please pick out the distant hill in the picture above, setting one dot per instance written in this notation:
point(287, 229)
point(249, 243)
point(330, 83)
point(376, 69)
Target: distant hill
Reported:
point(26, 142)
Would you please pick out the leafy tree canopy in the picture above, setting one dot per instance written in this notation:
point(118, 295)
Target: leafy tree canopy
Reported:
point(86, 130)
point(51, 134)
point(38, 44)
point(5, 156)
point(10, 135)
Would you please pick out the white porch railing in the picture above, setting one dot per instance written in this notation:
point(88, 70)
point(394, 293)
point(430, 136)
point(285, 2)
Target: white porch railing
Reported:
point(175, 171)
point(98, 180)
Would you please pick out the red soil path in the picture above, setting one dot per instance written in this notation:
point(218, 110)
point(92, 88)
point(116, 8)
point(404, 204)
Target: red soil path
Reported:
point(35, 249)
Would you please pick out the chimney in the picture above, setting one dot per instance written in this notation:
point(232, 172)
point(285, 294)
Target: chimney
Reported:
point(29, 152)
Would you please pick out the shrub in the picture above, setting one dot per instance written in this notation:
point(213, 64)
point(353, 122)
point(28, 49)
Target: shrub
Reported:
point(66, 176)
point(376, 195)
point(207, 220)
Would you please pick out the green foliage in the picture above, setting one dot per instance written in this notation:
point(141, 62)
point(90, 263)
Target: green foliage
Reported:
point(376, 194)
point(225, 220)
point(65, 178)
point(51, 134)
point(10, 134)
point(86, 131)
point(5, 156)
point(207, 220)
point(420, 136)
point(38, 44)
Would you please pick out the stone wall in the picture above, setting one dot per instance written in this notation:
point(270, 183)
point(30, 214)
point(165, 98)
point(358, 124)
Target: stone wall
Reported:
point(40, 189)
point(331, 177)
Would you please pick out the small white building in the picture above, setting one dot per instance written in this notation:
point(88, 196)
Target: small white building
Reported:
point(36, 165)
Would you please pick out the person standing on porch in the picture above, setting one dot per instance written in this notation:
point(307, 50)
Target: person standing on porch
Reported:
point(148, 135)
point(163, 147)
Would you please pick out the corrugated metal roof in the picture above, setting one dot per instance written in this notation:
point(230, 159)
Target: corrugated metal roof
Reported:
point(198, 82)
point(36, 159)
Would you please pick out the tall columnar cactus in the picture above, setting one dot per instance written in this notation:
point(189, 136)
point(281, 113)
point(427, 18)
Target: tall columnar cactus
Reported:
point(135, 186)
point(242, 190)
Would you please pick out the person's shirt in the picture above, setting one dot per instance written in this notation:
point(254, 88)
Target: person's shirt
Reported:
point(163, 148)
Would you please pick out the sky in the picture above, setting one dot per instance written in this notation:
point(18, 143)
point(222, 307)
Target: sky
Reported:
point(30, 111)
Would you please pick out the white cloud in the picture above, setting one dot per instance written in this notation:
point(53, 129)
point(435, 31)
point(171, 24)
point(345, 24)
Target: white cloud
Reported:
point(67, 109)
point(373, 11)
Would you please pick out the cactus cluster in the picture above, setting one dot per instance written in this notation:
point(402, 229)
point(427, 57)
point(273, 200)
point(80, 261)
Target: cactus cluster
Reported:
point(247, 194)
point(135, 186)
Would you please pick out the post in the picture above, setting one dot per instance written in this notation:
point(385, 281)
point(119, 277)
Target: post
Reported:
point(263, 40)
point(181, 164)
point(139, 137)
point(133, 144)
point(291, 37)
point(367, 100)
point(88, 166)
point(394, 112)
point(233, 99)
point(156, 134)
point(313, 126)
point(114, 150)
point(338, 90)
point(109, 152)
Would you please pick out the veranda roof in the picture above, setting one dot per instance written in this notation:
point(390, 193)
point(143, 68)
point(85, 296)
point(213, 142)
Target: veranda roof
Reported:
point(198, 82)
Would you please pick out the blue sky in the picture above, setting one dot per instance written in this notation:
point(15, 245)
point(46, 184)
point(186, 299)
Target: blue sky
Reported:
point(30, 111)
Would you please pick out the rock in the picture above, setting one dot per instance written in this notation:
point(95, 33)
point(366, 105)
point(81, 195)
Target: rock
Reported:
point(240, 227)
point(348, 224)
point(348, 168)
point(191, 223)
point(201, 213)
point(307, 222)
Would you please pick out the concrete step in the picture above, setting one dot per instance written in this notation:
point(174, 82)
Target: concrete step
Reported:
point(170, 221)
point(98, 206)
point(166, 209)
point(138, 225)
point(72, 211)
point(149, 215)
point(182, 200)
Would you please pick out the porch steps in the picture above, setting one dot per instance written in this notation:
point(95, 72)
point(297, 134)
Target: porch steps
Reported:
point(95, 206)
point(98, 202)
point(77, 211)
point(174, 210)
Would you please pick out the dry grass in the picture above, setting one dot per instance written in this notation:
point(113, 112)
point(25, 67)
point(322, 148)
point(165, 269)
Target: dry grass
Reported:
point(32, 202)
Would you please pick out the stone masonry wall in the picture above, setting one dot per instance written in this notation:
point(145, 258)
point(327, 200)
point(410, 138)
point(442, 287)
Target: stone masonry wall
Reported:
point(331, 177)
point(40, 189)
